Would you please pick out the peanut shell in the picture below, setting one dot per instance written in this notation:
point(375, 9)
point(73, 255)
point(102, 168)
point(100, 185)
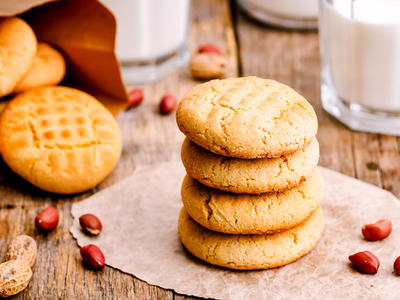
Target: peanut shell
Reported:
point(207, 65)
point(14, 277)
point(24, 248)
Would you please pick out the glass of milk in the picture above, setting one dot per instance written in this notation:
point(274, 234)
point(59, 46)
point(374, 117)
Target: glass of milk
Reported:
point(151, 38)
point(360, 50)
point(294, 14)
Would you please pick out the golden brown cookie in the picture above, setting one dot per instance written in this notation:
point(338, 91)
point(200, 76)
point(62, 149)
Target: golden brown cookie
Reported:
point(250, 252)
point(252, 214)
point(17, 48)
point(247, 117)
point(60, 139)
point(251, 176)
point(48, 68)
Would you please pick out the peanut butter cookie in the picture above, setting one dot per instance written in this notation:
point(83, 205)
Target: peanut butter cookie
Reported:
point(250, 252)
point(48, 68)
point(17, 49)
point(251, 214)
point(60, 139)
point(249, 176)
point(247, 117)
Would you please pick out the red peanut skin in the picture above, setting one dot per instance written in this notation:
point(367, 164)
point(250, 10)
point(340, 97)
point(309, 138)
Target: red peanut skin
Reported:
point(135, 97)
point(93, 257)
point(396, 266)
point(365, 262)
point(47, 219)
point(167, 104)
point(377, 231)
point(209, 48)
point(90, 224)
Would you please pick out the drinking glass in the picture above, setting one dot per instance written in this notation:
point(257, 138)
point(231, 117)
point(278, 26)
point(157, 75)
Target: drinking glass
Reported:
point(360, 51)
point(294, 14)
point(151, 38)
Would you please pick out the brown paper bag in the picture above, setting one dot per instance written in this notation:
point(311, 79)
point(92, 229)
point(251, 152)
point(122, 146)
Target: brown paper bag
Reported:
point(84, 31)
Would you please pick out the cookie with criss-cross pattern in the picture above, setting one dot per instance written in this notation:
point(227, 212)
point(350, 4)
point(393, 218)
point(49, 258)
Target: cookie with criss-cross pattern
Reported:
point(250, 252)
point(252, 214)
point(60, 139)
point(249, 176)
point(247, 117)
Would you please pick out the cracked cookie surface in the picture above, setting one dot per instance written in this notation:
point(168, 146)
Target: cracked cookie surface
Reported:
point(252, 214)
point(253, 176)
point(60, 139)
point(250, 252)
point(247, 117)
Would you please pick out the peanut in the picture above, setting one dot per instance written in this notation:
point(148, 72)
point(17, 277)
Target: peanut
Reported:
point(93, 257)
point(167, 104)
point(365, 262)
point(14, 277)
point(209, 48)
point(207, 65)
point(396, 265)
point(378, 230)
point(90, 224)
point(23, 248)
point(47, 219)
point(135, 97)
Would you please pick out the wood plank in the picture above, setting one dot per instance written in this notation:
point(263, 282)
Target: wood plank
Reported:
point(366, 150)
point(389, 163)
point(148, 138)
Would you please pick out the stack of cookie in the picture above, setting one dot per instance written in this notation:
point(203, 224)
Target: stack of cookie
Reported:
point(252, 191)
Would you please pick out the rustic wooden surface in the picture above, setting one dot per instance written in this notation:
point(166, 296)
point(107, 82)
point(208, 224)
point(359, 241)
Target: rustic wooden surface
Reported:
point(253, 49)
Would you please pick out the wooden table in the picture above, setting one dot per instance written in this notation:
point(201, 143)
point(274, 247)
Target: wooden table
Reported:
point(253, 49)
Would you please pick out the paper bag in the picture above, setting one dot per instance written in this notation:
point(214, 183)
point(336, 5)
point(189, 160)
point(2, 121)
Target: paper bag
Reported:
point(84, 31)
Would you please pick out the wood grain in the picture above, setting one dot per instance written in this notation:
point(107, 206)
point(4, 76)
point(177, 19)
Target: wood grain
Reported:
point(252, 49)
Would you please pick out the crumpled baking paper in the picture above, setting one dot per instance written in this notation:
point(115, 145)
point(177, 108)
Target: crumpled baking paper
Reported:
point(139, 237)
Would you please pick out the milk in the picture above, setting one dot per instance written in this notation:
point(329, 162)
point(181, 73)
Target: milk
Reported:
point(149, 29)
point(302, 9)
point(360, 47)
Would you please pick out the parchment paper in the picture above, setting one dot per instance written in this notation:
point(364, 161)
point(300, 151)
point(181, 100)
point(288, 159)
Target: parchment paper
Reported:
point(139, 218)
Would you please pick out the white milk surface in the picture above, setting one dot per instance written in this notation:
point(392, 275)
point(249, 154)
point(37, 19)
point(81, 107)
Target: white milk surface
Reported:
point(362, 48)
point(149, 29)
point(288, 8)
